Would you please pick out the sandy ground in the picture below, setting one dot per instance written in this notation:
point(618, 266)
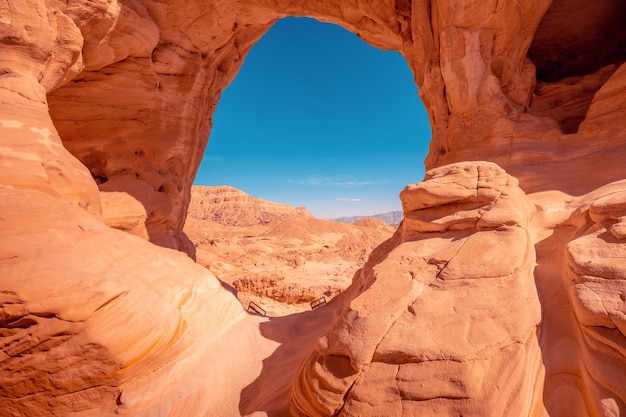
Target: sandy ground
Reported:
point(263, 374)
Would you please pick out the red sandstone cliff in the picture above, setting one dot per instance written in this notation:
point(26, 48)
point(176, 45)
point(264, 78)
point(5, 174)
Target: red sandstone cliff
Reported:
point(502, 293)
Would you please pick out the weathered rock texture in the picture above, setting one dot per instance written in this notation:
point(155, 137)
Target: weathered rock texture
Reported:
point(457, 335)
point(501, 294)
point(232, 207)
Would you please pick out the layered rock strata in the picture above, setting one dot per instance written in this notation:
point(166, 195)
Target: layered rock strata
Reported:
point(232, 207)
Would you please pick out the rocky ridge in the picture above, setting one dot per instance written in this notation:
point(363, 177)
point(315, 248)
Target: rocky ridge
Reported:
point(230, 206)
point(392, 218)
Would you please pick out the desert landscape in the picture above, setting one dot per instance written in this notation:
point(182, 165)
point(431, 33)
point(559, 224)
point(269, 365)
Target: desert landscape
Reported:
point(279, 257)
point(501, 293)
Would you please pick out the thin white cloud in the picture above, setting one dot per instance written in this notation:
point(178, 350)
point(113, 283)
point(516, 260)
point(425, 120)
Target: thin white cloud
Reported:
point(351, 200)
point(337, 181)
point(354, 183)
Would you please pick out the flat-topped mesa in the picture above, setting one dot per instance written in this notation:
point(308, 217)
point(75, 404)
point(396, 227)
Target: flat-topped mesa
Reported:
point(230, 206)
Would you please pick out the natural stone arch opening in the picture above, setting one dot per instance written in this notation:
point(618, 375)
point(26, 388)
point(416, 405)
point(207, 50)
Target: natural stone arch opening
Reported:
point(147, 161)
point(177, 77)
point(476, 81)
point(386, 118)
point(358, 103)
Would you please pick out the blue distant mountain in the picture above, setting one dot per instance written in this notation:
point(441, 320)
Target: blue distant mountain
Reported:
point(392, 218)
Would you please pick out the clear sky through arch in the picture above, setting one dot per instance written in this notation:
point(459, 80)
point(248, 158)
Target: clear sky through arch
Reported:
point(316, 117)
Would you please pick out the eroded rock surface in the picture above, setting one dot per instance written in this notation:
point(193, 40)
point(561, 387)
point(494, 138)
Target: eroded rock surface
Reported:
point(417, 340)
point(504, 291)
point(232, 207)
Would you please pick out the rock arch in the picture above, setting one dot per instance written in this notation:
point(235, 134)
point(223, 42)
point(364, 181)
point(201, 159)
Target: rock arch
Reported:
point(151, 146)
point(128, 87)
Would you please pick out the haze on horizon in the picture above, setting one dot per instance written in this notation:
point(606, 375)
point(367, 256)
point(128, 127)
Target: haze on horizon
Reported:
point(318, 118)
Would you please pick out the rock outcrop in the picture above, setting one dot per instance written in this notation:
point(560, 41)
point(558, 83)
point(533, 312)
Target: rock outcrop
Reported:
point(415, 339)
point(503, 290)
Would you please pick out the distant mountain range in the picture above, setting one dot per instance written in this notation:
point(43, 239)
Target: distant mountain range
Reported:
point(392, 218)
point(231, 206)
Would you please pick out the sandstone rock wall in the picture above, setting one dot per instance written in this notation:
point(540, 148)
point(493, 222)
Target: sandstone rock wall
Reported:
point(510, 288)
point(475, 66)
point(461, 319)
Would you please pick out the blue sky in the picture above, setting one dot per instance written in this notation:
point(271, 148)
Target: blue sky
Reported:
point(318, 118)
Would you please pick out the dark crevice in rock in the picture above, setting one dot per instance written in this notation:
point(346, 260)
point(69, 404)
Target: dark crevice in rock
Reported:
point(577, 47)
point(578, 37)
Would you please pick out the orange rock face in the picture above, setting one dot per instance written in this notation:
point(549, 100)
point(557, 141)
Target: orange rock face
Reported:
point(461, 319)
point(502, 293)
point(232, 207)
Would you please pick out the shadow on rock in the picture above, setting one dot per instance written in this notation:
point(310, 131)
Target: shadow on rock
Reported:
point(268, 394)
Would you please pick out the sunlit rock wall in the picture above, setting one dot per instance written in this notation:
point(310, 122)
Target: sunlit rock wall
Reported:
point(504, 288)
